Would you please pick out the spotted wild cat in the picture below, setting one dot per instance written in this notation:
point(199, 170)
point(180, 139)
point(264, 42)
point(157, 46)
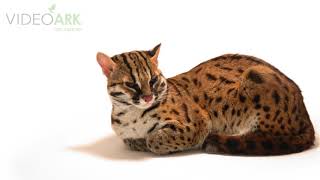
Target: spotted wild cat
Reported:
point(234, 104)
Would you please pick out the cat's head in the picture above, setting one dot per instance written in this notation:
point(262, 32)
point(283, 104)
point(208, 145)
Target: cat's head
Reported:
point(134, 77)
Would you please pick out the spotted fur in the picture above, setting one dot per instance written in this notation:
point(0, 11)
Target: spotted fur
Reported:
point(233, 104)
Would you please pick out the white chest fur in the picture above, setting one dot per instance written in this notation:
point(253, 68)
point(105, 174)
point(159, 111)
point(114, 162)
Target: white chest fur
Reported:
point(131, 124)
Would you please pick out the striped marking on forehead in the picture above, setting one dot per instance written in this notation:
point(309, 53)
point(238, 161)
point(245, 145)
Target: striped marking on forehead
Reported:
point(137, 64)
point(129, 65)
point(139, 68)
point(146, 61)
point(142, 64)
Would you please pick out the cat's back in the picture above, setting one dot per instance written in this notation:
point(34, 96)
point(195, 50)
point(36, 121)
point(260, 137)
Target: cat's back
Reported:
point(232, 64)
point(227, 70)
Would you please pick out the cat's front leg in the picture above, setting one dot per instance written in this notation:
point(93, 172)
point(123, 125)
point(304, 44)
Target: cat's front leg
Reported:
point(138, 144)
point(171, 137)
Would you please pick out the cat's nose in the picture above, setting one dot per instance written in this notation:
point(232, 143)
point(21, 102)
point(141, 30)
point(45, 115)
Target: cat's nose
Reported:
point(147, 98)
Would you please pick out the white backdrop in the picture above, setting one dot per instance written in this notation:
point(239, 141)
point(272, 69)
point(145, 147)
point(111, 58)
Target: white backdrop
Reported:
point(54, 110)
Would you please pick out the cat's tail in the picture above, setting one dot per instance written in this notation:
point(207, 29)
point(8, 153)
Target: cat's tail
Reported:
point(259, 143)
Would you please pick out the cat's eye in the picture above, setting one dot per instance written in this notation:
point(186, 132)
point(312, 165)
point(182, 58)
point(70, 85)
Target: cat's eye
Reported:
point(153, 80)
point(131, 85)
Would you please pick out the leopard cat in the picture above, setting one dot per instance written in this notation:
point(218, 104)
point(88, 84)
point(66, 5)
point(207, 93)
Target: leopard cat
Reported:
point(231, 104)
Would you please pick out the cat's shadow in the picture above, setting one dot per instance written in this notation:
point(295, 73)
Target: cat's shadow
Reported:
point(111, 147)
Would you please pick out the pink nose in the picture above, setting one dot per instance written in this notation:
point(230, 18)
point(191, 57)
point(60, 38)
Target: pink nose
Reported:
point(147, 98)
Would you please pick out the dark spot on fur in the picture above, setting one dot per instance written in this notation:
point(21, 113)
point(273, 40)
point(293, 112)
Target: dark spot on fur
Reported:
point(257, 106)
point(286, 98)
point(285, 109)
point(162, 84)
point(195, 81)
point(239, 122)
point(276, 115)
point(152, 128)
point(172, 100)
point(225, 80)
point(196, 99)
point(266, 108)
point(224, 127)
point(174, 111)
point(154, 115)
point(150, 109)
point(276, 97)
point(280, 120)
point(233, 112)
point(205, 95)
point(210, 100)
point(181, 130)
point(186, 114)
point(113, 120)
point(170, 126)
point(219, 99)
point(245, 109)
point(215, 113)
point(294, 109)
point(121, 114)
point(254, 76)
point(226, 68)
point(225, 108)
point(239, 112)
point(240, 70)
point(256, 99)
point(211, 77)
point(267, 116)
point(115, 94)
point(242, 98)
point(230, 90)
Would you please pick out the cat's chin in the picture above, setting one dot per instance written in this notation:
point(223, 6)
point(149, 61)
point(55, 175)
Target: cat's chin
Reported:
point(143, 106)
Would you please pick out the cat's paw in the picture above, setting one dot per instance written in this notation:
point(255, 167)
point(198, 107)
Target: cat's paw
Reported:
point(160, 142)
point(136, 144)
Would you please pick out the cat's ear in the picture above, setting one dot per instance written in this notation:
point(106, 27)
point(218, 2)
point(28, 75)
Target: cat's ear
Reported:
point(106, 63)
point(154, 53)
